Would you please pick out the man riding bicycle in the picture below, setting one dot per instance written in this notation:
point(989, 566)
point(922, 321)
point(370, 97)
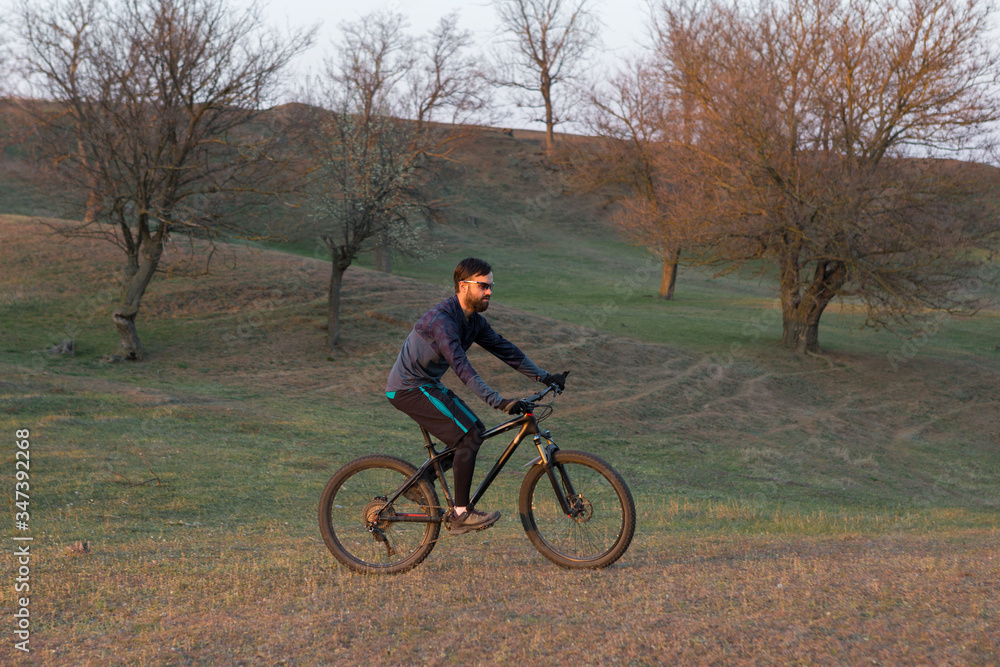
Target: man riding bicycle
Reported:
point(439, 340)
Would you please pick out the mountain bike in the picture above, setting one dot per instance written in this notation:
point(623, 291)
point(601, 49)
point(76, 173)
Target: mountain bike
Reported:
point(380, 515)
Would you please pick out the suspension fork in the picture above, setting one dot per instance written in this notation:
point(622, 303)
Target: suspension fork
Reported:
point(547, 458)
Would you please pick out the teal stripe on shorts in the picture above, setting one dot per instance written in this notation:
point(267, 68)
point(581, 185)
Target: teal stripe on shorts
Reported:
point(444, 410)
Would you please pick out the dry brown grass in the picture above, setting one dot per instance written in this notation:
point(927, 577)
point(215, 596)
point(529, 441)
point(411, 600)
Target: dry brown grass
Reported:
point(489, 599)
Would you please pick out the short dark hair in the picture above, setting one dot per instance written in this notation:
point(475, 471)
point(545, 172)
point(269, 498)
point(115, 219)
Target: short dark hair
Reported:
point(470, 266)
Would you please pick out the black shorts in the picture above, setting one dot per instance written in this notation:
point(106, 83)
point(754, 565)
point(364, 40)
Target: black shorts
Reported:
point(439, 410)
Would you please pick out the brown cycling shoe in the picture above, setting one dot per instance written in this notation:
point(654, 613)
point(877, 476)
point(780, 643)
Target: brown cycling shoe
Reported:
point(473, 519)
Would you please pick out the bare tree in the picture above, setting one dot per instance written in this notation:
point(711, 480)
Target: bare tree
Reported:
point(372, 140)
point(815, 122)
point(548, 42)
point(635, 119)
point(367, 189)
point(381, 70)
point(446, 84)
point(154, 110)
point(375, 56)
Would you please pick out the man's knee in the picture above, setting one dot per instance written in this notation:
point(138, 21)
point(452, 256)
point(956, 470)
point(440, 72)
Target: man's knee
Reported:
point(472, 439)
point(467, 447)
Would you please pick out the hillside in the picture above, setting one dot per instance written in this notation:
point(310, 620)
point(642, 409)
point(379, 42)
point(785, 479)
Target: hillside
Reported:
point(841, 506)
point(846, 427)
point(704, 369)
point(791, 510)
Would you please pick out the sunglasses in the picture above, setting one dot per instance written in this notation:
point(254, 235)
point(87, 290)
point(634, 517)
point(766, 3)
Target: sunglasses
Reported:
point(485, 286)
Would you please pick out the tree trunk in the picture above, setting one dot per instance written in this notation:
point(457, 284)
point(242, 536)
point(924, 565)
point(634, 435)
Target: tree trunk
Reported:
point(382, 259)
point(338, 266)
point(94, 203)
point(333, 303)
point(802, 306)
point(669, 278)
point(136, 276)
point(93, 209)
point(801, 334)
point(546, 90)
point(129, 345)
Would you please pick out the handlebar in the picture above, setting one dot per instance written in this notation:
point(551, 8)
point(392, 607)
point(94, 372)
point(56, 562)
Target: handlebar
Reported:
point(537, 397)
point(540, 395)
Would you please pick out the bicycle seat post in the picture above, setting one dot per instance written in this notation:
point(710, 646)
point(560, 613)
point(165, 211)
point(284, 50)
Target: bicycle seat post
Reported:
point(427, 442)
point(432, 453)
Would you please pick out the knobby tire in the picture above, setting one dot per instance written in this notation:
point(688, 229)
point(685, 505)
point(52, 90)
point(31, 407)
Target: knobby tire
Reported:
point(600, 533)
point(353, 493)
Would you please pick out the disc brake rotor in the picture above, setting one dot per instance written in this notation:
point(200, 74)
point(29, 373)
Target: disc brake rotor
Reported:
point(582, 509)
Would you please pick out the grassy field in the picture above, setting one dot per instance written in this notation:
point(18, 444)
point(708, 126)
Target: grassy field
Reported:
point(823, 510)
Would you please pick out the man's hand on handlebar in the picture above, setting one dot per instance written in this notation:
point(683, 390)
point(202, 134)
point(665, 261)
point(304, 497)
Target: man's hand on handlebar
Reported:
point(515, 406)
point(519, 406)
point(557, 379)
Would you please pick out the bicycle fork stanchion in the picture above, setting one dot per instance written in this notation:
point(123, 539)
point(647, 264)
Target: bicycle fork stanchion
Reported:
point(547, 454)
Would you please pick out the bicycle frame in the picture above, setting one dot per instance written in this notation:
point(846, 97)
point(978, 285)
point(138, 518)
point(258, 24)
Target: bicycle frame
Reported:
point(528, 428)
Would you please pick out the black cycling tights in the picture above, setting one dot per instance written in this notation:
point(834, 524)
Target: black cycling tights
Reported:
point(466, 451)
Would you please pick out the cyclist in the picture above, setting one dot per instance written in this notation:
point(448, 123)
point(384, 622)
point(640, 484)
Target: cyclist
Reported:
point(439, 340)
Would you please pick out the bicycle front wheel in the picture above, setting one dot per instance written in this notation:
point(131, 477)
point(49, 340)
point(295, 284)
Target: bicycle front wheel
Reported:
point(601, 520)
point(359, 528)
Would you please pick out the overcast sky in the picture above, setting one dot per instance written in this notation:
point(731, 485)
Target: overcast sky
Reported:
point(624, 22)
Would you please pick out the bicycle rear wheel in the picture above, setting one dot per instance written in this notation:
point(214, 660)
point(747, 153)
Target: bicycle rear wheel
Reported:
point(602, 513)
point(352, 516)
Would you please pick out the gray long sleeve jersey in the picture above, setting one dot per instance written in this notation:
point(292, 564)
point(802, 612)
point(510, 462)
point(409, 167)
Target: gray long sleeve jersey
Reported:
point(440, 339)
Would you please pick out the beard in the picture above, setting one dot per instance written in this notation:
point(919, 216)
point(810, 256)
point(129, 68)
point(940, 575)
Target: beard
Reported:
point(480, 304)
